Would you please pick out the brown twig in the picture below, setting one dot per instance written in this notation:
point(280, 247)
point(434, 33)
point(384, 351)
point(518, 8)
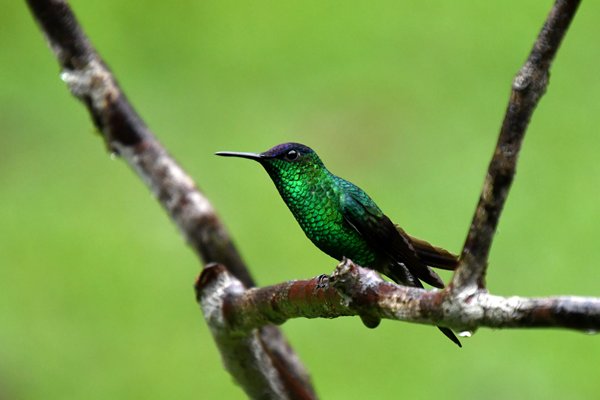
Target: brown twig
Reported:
point(528, 87)
point(125, 133)
point(353, 290)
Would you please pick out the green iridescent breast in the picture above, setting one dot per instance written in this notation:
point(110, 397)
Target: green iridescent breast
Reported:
point(313, 196)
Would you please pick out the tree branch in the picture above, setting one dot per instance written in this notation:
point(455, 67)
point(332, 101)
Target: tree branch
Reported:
point(238, 315)
point(125, 133)
point(353, 290)
point(465, 304)
point(528, 87)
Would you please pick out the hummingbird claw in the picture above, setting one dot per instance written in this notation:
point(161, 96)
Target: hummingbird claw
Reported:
point(322, 281)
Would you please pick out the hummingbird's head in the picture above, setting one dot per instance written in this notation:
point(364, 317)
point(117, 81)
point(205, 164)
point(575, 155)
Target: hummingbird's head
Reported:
point(285, 162)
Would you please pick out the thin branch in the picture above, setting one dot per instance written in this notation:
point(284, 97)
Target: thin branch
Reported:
point(528, 87)
point(353, 290)
point(125, 133)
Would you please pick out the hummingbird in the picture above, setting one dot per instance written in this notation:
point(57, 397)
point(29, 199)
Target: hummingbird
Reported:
point(343, 221)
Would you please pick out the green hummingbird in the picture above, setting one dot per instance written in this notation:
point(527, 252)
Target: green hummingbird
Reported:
point(343, 221)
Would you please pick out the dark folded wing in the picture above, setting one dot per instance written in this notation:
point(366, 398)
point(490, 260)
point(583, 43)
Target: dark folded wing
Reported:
point(362, 214)
point(366, 218)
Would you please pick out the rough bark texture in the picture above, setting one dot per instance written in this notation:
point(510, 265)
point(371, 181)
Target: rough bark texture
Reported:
point(353, 290)
point(528, 87)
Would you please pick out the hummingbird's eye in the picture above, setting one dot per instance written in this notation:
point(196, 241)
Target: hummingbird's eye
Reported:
point(292, 155)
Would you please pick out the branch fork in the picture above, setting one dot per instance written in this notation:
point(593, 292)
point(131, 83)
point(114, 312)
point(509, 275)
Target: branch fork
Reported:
point(240, 316)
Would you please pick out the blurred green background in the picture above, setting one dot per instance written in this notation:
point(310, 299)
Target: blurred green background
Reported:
point(405, 100)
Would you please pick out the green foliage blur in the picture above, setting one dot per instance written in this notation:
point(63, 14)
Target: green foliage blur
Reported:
point(404, 99)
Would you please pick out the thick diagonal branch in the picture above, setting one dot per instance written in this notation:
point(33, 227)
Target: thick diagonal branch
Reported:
point(126, 134)
point(527, 88)
point(352, 290)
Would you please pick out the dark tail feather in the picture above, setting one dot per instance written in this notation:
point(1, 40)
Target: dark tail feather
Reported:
point(430, 254)
point(450, 335)
point(427, 275)
point(435, 256)
point(401, 275)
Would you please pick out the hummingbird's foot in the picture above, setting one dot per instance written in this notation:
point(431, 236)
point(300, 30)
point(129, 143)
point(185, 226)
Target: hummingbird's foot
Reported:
point(322, 281)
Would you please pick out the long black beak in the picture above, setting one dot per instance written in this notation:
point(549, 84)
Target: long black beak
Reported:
point(252, 156)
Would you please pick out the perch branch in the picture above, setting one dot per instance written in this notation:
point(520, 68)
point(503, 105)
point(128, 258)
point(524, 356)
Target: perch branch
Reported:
point(125, 133)
point(528, 87)
point(353, 290)
point(465, 304)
